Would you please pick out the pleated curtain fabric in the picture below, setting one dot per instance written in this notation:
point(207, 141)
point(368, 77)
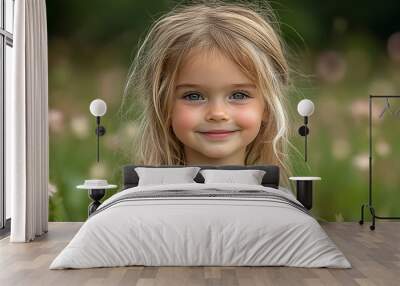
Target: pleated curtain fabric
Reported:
point(28, 136)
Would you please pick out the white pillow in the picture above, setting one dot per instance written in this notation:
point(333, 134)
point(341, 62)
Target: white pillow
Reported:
point(162, 176)
point(249, 177)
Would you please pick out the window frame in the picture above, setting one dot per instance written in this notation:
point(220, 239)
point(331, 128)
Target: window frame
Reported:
point(6, 39)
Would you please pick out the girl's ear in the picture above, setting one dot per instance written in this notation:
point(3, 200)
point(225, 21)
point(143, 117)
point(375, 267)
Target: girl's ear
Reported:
point(265, 115)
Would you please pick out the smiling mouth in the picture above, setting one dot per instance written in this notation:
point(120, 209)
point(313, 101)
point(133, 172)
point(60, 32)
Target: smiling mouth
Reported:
point(217, 135)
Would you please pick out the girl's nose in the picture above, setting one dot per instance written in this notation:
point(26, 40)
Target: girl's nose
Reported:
point(217, 111)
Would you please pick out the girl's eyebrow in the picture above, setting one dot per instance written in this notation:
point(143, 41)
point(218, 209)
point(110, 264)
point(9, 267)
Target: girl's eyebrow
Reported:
point(232, 85)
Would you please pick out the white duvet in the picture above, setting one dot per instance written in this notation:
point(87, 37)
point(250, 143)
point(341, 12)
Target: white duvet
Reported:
point(182, 231)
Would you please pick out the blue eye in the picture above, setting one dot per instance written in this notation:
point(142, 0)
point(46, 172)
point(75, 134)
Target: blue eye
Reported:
point(242, 97)
point(191, 96)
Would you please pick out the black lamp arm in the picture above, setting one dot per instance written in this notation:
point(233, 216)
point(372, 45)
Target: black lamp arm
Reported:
point(304, 131)
point(100, 131)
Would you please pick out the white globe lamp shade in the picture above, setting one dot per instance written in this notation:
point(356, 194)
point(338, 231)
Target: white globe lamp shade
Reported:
point(98, 107)
point(305, 107)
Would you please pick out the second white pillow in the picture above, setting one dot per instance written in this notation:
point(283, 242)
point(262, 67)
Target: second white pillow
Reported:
point(248, 177)
point(161, 176)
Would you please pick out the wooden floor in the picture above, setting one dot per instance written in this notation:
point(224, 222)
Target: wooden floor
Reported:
point(374, 255)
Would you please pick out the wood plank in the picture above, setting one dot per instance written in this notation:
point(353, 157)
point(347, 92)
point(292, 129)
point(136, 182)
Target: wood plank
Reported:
point(374, 255)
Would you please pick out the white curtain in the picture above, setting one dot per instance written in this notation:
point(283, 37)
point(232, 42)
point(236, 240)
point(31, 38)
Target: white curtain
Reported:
point(27, 124)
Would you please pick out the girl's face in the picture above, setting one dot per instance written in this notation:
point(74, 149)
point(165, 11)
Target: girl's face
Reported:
point(213, 95)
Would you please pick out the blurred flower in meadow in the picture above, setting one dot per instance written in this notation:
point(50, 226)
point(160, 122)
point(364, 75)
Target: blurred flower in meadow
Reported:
point(98, 170)
point(112, 141)
point(361, 161)
point(52, 189)
point(339, 217)
point(359, 109)
point(56, 120)
point(124, 136)
point(393, 47)
point(129, 130)
point(382, 148)
point(80, 126)
point(331, 66)
point(340, 149)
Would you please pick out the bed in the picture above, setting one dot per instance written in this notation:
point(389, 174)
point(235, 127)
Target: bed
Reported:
point(201, 216)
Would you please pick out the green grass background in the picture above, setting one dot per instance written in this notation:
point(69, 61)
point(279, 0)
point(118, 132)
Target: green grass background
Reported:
point(91, 48)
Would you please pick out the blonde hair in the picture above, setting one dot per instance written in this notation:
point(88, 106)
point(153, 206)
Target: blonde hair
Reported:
point(246, 33)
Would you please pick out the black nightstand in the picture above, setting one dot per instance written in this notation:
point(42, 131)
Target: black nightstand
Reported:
point(96, 190)
point(304, 190)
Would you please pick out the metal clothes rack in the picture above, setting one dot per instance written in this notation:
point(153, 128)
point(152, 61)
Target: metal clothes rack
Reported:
point(369, 205)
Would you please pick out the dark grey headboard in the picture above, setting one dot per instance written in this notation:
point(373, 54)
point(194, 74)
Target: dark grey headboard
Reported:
point(270, 179)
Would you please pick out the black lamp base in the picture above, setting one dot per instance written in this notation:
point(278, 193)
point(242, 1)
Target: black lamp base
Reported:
point(96, 195)
point(304, 193)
